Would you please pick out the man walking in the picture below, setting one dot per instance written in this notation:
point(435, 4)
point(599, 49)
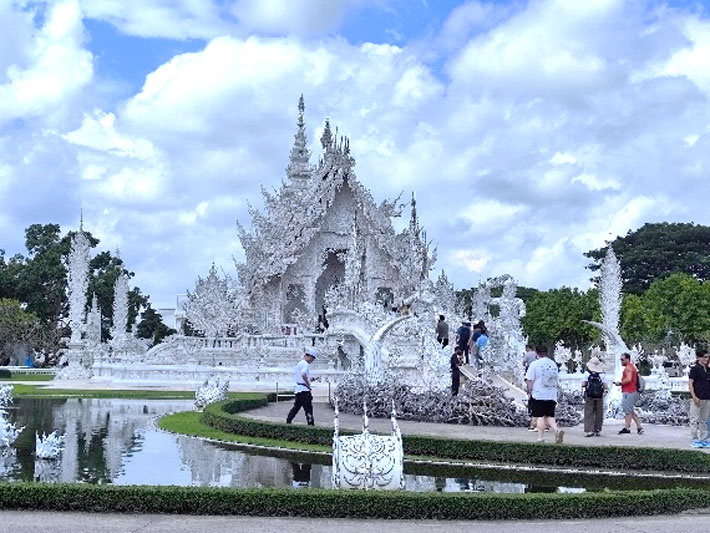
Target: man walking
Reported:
point(630, 394)
point(528, 358)
point(304, 398)
point(541, 380)
point(442, 332)
point(699, 387)
point(456, 362)
point(463, 338)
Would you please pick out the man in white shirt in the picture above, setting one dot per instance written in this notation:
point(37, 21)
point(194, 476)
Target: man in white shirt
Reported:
point(541, 380)
point(302, 377)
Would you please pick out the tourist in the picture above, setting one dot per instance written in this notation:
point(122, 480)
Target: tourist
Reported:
point(463, 336)
point(528, 358)
point(304, 397)
point(594, 388)
point(699, 387)
point(442, 332)
point(541, 381)
point(629, 388)
point(481, 343)
point(456, 362)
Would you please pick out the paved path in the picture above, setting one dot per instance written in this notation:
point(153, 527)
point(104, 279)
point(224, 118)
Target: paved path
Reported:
point(655, 436)
point(34, 521)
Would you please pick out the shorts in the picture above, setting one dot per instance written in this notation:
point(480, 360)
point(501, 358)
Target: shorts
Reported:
point(628, 402)
point(542, 407)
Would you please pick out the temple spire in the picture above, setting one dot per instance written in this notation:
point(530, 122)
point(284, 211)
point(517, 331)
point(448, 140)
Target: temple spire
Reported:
point(299, 169)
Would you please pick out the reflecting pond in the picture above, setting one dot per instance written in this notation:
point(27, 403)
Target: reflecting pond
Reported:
point(117, 441)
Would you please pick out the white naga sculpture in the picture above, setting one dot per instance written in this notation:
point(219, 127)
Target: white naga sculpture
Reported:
point(48, 446)
point(209, 393)
point(368, 461)
point(8, 431)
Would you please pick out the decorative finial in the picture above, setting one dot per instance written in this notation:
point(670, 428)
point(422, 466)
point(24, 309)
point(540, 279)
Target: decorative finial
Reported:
point(326, 139)
point(81, 219)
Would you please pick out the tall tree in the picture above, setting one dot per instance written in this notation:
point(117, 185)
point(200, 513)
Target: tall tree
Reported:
point(557, 314)
point(658, 250)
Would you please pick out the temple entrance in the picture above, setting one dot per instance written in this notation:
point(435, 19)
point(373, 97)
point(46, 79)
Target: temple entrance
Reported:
point(295, 300)
point(334, 274)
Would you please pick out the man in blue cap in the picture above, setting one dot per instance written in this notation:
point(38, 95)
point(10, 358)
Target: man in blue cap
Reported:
point(302, 377)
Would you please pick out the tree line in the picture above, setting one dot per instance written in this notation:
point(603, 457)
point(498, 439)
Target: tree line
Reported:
point(665, 269)
point(33, 294)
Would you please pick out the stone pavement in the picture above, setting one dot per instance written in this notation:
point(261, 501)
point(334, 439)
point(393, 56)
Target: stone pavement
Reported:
point(34, 521)
point(655, 436)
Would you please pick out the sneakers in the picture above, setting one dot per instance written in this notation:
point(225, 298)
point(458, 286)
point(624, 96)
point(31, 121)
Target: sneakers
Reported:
point(597, 434)
point(589, 434)
point(639, 431)
point(697, 444)
point(532, 429)
point(624, 431)
point(559, 437)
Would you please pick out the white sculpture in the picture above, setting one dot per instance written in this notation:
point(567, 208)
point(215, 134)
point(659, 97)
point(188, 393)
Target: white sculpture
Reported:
point(78, 281)
point(368, 461)
point(119, 329)
point(213, 307)
point(562, 355)
point(48, 446)
point(610, 302)
point(686, 356)
point(6, 395)
point(8, 431)
point(209, 393)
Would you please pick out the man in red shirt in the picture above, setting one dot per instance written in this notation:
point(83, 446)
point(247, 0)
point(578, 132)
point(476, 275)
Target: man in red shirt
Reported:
point(629, 388)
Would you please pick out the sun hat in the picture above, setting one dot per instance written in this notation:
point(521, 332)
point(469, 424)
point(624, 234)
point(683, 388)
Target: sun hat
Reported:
point(312, 352)
point(595, 365)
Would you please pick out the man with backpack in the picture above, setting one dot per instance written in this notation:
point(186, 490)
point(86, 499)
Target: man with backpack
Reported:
point(594, 388)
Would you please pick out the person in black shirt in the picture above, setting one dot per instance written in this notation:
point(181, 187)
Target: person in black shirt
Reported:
point(699, 387)
point(463, 338)
point(456, 362)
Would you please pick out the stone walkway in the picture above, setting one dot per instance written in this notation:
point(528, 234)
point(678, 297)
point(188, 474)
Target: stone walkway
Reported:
point(655, 436)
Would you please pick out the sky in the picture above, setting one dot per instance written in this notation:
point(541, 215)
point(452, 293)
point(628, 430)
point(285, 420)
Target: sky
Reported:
point(531, 131)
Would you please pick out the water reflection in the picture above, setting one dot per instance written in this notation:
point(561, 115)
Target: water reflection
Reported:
point(115, 441)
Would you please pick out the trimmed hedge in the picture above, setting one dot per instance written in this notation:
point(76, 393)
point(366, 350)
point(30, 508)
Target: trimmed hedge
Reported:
point(345, 504)
point(223, 416)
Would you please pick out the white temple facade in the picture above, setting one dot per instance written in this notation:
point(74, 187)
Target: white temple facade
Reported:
point(321, 230)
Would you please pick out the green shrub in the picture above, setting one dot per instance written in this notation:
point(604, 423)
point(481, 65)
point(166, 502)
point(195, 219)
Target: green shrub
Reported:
point(223, 416)
point(344, 504)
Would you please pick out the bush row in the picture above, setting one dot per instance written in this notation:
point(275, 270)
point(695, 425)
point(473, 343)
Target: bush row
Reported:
point(223, 416)
point(344, 504)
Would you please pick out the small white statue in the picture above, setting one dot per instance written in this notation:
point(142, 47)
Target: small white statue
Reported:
point(6, 395)
point(48, 446)
point(210, 393)
point(8, 431)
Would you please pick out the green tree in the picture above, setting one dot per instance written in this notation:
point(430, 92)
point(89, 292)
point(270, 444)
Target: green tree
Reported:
point(557, 314)
point(655, 251)
point(17, 327)
point(152, 327)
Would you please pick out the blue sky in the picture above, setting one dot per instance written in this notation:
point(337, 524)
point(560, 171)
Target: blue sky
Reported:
point(531, 131)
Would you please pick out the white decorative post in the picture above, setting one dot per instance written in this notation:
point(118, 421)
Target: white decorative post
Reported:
point(120, 312)
point(610, 303)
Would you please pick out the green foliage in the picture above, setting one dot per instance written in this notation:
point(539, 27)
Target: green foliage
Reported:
point(656, 251)
point(673, 309)
point(610, 457)
point(34, 391)
point(345, 504)
point(17, 327)
point(557, 314)
point(152, 327)
point(39, 281)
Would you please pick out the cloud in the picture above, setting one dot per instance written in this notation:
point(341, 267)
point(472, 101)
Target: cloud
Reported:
point(51, 67)
point(540, 130)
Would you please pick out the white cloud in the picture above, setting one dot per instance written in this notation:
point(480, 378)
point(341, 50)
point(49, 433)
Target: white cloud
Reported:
point(555, 125)
point(55, 65)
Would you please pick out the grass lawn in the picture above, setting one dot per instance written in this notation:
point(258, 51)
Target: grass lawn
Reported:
point(190, 423)
point(28, 377)
point(34, 391)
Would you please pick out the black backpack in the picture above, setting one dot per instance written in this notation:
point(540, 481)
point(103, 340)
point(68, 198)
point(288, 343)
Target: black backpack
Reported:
point(595, 386)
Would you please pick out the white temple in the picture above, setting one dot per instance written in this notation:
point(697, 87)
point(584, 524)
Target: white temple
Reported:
point(323, 229)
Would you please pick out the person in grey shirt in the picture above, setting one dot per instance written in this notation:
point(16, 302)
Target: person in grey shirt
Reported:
point(442, 332)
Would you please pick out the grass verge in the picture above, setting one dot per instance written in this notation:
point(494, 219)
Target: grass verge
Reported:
point(35, 391)
point(27, 377)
